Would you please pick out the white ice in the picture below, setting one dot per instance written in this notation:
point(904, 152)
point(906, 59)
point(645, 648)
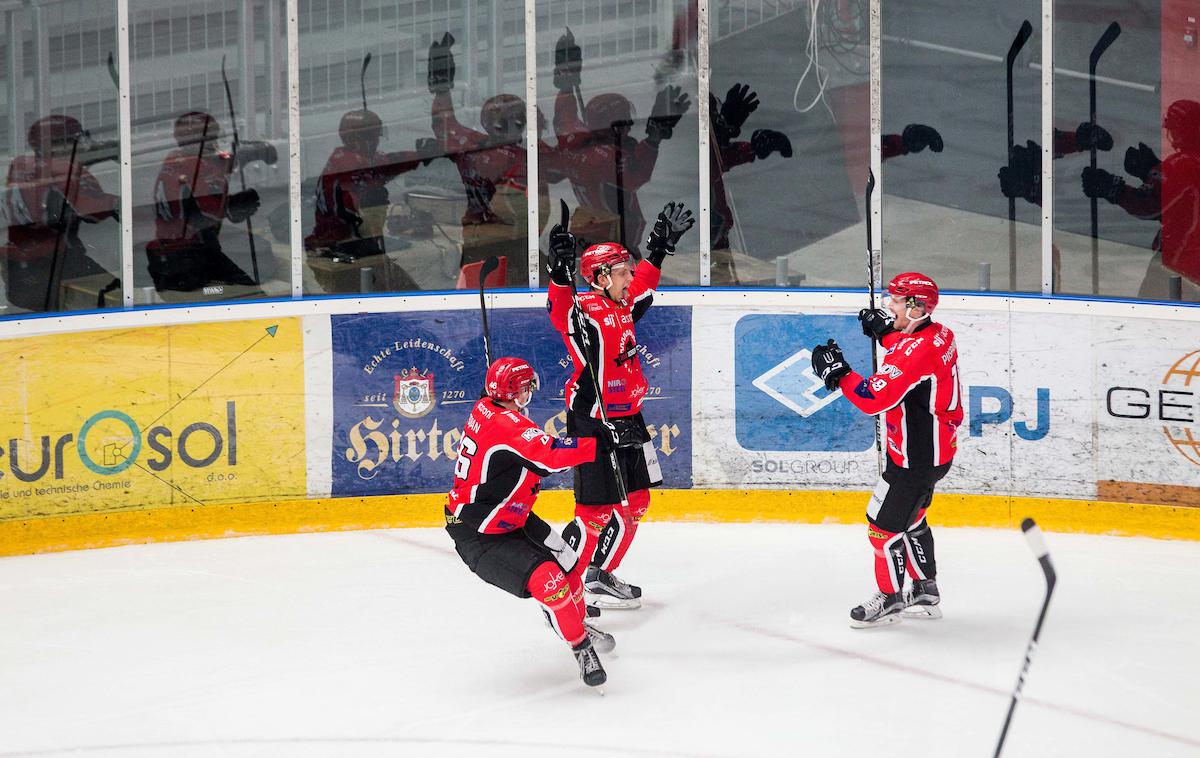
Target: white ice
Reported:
point(383, 643)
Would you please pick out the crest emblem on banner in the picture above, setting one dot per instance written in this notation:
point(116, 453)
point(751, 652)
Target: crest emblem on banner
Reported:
point(413, 396)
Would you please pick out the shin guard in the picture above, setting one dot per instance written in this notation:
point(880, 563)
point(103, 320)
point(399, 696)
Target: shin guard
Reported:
point(554, 590)
point(918, 543)
point(639, 503)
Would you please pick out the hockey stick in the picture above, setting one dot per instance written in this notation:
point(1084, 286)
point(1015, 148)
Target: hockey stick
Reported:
point(489, 265)
point(241, 168)
point(1014, 50)
point(1110, 35)
point(51, 285)
point(362, 81)
point(619, 168)
point(112, 70)
point(871, 290)
point(1033, 535)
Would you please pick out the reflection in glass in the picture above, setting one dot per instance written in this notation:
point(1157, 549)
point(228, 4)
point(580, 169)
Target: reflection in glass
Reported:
point(60, 144)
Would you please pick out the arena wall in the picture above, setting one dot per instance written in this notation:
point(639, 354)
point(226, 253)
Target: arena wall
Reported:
point(290, 416)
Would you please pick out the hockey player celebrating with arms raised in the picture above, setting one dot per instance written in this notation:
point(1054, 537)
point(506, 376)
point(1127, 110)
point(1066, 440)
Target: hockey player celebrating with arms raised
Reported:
point(606, 390)
point(917, 390)
point(497, 476)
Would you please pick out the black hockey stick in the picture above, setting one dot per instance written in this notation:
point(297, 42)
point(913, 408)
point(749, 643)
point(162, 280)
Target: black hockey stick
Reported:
point(871, 290)
point(56, 270)
point(112, 70)
point(1014, 50)
point(362, 79)
point(489, 265)
point(241, 168)
point(1110, 35)
point(1033, 535)
point(577, 318)
point(619, 168)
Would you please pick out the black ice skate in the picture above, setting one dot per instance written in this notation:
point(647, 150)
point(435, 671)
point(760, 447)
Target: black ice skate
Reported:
point(601, 640)
point(590, 670)
point(881, 610)
point(921, 600)
point(607, 591)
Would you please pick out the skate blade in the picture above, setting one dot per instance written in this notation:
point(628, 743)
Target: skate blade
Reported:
point(893, 618)
point(609, 603)
point(927, 612)
point(599, 689)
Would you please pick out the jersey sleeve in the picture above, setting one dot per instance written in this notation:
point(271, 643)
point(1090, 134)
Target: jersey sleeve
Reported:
point(569, 128)
point(559, 303)
point(645, 281)
point(884, 390)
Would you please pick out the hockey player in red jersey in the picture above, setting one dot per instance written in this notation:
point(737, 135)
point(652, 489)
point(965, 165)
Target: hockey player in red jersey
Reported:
point(502, 458)
point(917, 390)
point(598, 332)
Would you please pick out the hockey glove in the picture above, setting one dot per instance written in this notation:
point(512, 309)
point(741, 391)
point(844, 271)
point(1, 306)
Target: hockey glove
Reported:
point(876, 323)
point(1140, 161)
point(1098, 183)
point(1022, 177)
point(568, 62)
point(1089, 135)
point(829, 364)
point(672, 223)
point(242, 205)
point(739, 103)
point(249, 151)
point(767, 141)
point(441, 65)
point(670, 105)
point(607, 437)
point(562, 255)
point(917, 137)
point(564, 554)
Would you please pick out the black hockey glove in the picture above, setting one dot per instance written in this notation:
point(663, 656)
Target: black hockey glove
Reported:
point(917, 137)
point(876, 323)
point(242, 205)
point(441, 65)
point(739, 103)
point(1089, 135)
point(672, 223)
point(249, 151)
point(568, 62)
point(670, 105)
point(1098, 183)
point(829, 364)
point(607, 437)
point(1140, 161)
point(767, 141)
point(562, 255)
point(1022, 177)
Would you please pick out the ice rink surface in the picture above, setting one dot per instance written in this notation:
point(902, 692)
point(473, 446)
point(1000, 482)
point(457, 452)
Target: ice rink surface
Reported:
point(383, 643)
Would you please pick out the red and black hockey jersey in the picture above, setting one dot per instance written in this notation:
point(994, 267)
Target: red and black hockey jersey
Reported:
point(30, 179)
point(610, 332)
point(501, 461)
point(918, 392)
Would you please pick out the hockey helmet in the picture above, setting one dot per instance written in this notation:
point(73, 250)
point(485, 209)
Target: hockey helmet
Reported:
point(608, 110)
point(56, 128)
point(361, 131)
point(196, 126)
point(508, 377)
point(503, 116)
point(601, 259)
point(1182, 122)
point(915, 287)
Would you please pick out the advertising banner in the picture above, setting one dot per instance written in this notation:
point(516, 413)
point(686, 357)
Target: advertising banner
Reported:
point(403, 384)
point(151, 417)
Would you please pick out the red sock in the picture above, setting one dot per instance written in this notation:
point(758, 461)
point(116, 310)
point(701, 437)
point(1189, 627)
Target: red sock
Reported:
point(556, 592)
point(639, 503)
point(889, 558)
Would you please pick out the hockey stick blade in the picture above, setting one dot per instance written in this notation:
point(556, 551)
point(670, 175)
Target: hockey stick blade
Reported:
point(1023, 35)
point(1110, 36)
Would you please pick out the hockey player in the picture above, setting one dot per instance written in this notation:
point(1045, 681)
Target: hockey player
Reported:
point(502, 458)
point(618, 297)
point(917, 390)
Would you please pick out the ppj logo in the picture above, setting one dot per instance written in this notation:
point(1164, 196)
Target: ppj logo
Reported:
point(779, 403)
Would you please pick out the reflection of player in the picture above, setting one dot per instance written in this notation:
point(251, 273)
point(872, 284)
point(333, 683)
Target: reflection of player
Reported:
point(1022, 177)
point(492, 167)
point(727, 119)
point(618, 296)
point(502, 458)
point(352, 196)
point(192, 200)
point(605, 164)
point(918, 392)
point(1169, 192)
point(48, 194)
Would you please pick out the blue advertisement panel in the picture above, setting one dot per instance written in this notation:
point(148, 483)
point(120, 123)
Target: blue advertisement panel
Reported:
point(780, 403)
point(403, 384)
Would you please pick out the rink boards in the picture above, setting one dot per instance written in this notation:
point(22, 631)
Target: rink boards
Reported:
point(216, 422)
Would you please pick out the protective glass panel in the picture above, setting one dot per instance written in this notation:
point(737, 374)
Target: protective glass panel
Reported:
point(617, 92)
point(210, 191)
point(59, 140)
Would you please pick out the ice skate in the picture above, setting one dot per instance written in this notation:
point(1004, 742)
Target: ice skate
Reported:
point(590, 669)
point(921, 600)
point(592, 611)
point(601, 640)
point(608, 592)
point(880, 610)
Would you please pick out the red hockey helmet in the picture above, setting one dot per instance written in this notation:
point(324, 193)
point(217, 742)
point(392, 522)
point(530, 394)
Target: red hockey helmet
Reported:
point(52, 129)
point(196, 126)
point(508, 377)
point(1182, 122)
point(601, 259)
point(914, 286)
point(503, 116)
point(604, 111)
point(361, 130)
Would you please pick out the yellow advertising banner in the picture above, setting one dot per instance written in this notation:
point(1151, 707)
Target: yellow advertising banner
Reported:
point(151, 417)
